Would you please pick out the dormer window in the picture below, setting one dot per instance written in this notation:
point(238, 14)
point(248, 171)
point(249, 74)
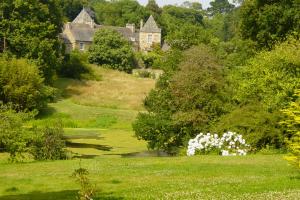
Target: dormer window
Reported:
point(150, 39)
point(81, 46)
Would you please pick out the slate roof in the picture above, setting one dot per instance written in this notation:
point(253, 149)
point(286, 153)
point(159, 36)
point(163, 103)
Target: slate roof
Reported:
point(83, 18)
point(150, 26)
point(126, 32)
point(82, 32)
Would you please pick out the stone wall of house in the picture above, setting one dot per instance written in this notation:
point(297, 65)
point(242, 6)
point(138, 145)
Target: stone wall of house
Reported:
point(145, 45)
point(86, 46)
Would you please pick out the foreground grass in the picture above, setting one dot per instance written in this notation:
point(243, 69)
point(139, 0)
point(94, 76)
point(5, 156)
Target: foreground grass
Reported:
point(204, 177)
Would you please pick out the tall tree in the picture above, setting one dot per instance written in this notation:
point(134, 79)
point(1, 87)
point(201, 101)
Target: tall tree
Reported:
point(267, 21)
point(31, 29)
point(153, 7)
point(220, 7)
point(118, 13)
point(192, 5)
point(71, 8)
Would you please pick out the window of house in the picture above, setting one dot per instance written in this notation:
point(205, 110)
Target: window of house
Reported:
point(150, 38)
point(81, 46)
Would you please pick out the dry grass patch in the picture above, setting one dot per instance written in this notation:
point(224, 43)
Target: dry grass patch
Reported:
point(116, 90)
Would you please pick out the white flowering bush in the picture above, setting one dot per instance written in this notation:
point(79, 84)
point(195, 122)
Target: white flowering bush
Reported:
point(230, 144)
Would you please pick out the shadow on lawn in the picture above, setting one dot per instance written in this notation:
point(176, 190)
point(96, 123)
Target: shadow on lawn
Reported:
point(144, 154)
point(84, 136)
point(61, 195)
point(92, 146)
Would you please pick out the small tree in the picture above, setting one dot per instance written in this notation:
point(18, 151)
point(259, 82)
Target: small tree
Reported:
point(49, 144)
point(87, 190)
point(293, 125)
point(22, 85)
point(110, 49)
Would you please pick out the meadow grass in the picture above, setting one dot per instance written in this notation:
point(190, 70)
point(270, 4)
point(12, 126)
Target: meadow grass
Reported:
point(116, 90)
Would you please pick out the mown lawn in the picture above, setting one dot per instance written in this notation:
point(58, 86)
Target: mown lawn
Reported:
point(203, 177)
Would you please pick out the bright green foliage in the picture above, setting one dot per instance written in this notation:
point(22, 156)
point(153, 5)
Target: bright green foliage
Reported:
point(109, 48)
point(220, 7)
point(268, 21)
point(260, 89)
point(49, 144)
point(13, 137)
point(30, 29)
point(151, 59)
point(183, 27)
point(293, 125)
point(118, 13)
point(188, 35)
point(22, 85)
point(183, 104)
point(270, 77)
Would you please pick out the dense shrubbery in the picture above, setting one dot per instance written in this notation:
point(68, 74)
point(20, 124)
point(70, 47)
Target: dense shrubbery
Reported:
point(262, 88)
point(14, 138)
point(49, 144)
point(22, 85)
point(17, 140)
point(110, 49)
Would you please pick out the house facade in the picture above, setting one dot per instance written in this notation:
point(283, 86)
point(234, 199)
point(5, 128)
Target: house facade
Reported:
point(79, 33)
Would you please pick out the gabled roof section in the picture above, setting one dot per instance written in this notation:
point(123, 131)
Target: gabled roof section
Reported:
point(82, 32)
point(150, 26)
point(84, 18)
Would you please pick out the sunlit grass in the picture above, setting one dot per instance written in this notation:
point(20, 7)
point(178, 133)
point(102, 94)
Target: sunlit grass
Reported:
point(204, 177)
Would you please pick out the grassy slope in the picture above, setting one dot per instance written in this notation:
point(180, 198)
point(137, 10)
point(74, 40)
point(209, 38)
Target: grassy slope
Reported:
point(97, 115)
point(97, 118)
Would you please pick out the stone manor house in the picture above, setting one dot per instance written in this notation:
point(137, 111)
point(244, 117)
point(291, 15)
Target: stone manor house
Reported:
point(79, 33)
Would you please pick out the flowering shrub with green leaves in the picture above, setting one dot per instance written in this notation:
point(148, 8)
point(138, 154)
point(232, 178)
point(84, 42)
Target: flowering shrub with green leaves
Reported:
point(230, 144)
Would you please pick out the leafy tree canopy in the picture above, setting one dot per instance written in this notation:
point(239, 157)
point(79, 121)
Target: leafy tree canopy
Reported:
point(268, 21)
point(111, 49)
point(220, 7)
point(31, 30)
point(118, 13)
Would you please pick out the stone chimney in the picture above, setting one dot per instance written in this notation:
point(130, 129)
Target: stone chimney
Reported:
point(142, 24)
point(131, 27)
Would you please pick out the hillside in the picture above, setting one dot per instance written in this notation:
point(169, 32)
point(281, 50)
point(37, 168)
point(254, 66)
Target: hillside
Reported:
point(97, 115)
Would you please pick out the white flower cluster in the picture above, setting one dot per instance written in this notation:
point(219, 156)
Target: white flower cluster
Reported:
point(230, 144)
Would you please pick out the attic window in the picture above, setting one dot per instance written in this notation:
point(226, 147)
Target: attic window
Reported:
point(150, 38)
point(81, 46)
